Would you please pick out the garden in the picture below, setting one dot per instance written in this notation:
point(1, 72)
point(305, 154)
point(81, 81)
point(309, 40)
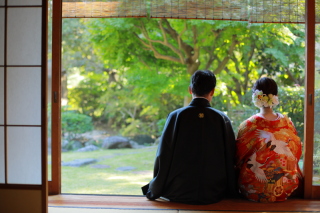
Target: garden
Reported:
point(121, 78)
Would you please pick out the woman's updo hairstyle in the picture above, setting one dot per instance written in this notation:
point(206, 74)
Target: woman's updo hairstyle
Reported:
point(266, 85)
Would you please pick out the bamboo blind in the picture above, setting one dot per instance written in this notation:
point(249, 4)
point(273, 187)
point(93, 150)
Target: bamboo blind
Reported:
point(277, 11)
point(103, 9)
point(255, 11)
point(200, 9)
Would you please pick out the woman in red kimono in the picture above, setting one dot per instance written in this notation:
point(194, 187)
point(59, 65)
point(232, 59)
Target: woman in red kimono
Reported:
point(268, 149)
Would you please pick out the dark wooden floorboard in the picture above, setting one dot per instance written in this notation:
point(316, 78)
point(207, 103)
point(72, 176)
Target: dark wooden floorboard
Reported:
point(137, 202)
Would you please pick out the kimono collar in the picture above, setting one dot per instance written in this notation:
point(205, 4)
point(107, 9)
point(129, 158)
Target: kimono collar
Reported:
point(200, 102)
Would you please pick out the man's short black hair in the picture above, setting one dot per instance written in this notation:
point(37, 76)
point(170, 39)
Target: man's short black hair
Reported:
point(266, 85)
point(202, 82)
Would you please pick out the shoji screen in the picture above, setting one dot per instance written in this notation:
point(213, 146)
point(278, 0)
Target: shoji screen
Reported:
point(23, 105)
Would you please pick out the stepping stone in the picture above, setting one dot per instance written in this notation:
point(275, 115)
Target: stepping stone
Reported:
point(79, 162)
point(100, 166)
point(125, 168)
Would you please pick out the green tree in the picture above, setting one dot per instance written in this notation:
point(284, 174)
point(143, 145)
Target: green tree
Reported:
point(234, 51)
point(145, 64)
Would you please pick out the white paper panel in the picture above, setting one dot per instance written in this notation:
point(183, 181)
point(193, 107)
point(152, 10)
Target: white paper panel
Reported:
point(1, 36)
point(24, 155)
point(2, 168)
point(24, 2)
point(1, 95)
point(2, 2)
point(24, 36)
point(24, 96)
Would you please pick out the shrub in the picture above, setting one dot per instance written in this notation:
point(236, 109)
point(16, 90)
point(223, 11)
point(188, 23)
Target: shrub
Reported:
point(74, 123)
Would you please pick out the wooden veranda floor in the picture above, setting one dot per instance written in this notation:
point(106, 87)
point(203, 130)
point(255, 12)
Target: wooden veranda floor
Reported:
point(141, 203)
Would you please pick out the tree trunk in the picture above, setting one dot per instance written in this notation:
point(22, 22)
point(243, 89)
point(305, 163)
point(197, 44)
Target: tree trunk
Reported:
point(191, 68)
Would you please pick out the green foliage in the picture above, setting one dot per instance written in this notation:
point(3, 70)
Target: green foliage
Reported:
point(316, 156)
point(292, 104)
point(133, 101)
point(86, 96)
point(74, 123)
point(250, 50)
point(114, 42)
point(283, 54)
point(240, 113)
point(160, 124)
point(317, 111)
point(77, 50)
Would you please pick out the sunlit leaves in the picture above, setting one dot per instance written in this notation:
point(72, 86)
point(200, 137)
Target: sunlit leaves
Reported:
point(278, 55)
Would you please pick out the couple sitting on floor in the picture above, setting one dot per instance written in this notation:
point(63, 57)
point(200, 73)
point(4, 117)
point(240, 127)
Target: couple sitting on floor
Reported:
point(199, 161)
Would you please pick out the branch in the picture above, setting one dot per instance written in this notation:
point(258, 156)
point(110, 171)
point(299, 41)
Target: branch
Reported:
point(179, 40)
point(224, 62)
point(156, 53)
point(177, 37)
point(210, 60)
point(212, 57)
point(131, 114)
point(291, 76)
point(237, 88)
point(166, 43)
point(196, 49)
point(253, 47)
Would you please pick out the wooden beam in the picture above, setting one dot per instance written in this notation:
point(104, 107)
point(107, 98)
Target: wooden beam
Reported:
point(309, 98)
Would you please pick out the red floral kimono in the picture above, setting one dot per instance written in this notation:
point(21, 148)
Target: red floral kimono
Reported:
point(267, 158)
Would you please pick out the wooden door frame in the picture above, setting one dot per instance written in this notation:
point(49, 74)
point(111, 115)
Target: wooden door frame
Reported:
point(55, 183)
point(310, 191)
point(309, 98)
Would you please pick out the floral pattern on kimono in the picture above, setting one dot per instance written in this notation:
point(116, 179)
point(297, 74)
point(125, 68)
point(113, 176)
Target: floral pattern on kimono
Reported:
point(267, 158)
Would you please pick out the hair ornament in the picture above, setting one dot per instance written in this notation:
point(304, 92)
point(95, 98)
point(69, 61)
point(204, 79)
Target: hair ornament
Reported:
point(262, 100)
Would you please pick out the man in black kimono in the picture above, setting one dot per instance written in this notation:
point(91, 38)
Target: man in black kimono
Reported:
point(195, 159)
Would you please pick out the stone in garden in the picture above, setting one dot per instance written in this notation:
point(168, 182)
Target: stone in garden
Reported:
point(88, 148)
point(116, 142)
point(79, 162)
point(125, 168)
point(64, 145)
point(135, 145)
point(94, 135)
point(100, 166)
point(76, 145)
point(143, 139)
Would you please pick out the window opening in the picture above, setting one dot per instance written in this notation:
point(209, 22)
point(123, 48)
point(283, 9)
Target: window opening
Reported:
point(121, 77)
